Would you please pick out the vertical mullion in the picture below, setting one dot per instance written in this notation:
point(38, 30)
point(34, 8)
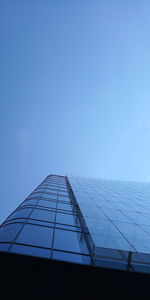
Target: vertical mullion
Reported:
point(54, 224)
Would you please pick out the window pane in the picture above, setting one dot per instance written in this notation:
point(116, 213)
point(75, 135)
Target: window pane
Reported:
point(65, 219)
point(64, 206)
point(36, 235)
point(4, 247)
point(66, 240)
point(47, 203)
point(30, 251)
point(50, 189)
point(33, 197)
point(29, 202)
point(9, 232)
point(37, 222)
point(40, 190)
point(52, 193)
point(62, 192)
point(20, 213)
point(64, 198)
point(37, 193)
point(49, 196)
point(41, 214)
point(12, 221)
point(67, 256)
point(67, 227)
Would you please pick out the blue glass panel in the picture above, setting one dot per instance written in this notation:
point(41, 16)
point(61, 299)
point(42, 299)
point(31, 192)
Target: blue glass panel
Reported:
point(33, 251)
point(103, 227)
point(115, 215)
point(48, 199)
point(33, 197)
point(4, 247)
point(66, 240)
point(64, 198)
point(146, 228)
point(50, 193)
point(68, 227)
point(38, 222)
point(64, 206)
point(136, 217)
point(18, 220)
point(41, 214)
point(51, 189)
point(71, 257)
point(62, 190)
point(141, 268)
point(47, 203)
point(9, 232)
point(49, 196)
point(20, 213)
point(38, 193)
point(130, 213)
point(141, 245)
point(29, 202)
point(130, 230)
point(65, 219)
point(36, 235)
point(108, 263)
point(112, 242)
point(40, 190)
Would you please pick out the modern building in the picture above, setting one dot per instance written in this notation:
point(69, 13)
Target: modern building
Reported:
point(78, 231)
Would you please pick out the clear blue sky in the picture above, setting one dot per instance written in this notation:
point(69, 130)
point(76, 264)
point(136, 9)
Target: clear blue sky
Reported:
point(74, 92)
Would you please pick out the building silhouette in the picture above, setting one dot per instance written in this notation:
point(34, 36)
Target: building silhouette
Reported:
point(75, 230)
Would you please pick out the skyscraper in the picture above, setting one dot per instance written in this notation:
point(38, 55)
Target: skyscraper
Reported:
point(87, 226)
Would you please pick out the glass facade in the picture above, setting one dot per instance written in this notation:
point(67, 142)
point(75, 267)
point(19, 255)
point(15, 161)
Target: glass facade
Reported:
point(82, 220)
point(47, 224)
point(117, 215)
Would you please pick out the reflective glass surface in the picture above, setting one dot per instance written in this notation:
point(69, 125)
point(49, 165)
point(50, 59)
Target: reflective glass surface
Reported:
point(65, 219)
point(64, 206)
point(47, 203)
point(102, 222)
point(22, 249)
point(36, 235)
point(46, 224)
point(20, 213)
point(63, 198)
point(66, 240)
point(117, 213)
point(4, 247)
point(66, 256)
point(9, 232)
point(29, 202)
point(42, 214)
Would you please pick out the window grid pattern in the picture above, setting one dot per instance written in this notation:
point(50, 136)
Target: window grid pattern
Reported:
point(47, 224)
point(117, 214)
point(83, 220)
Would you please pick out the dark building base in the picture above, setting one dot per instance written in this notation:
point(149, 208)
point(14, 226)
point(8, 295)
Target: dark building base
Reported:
point(30, 276)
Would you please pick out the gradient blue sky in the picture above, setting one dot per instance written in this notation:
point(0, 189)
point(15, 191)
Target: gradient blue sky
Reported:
point(74, 92)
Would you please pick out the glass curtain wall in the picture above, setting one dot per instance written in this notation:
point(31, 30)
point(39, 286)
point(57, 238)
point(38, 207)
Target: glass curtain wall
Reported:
point(47, 224)
point(117, 214)
point(82, 220)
